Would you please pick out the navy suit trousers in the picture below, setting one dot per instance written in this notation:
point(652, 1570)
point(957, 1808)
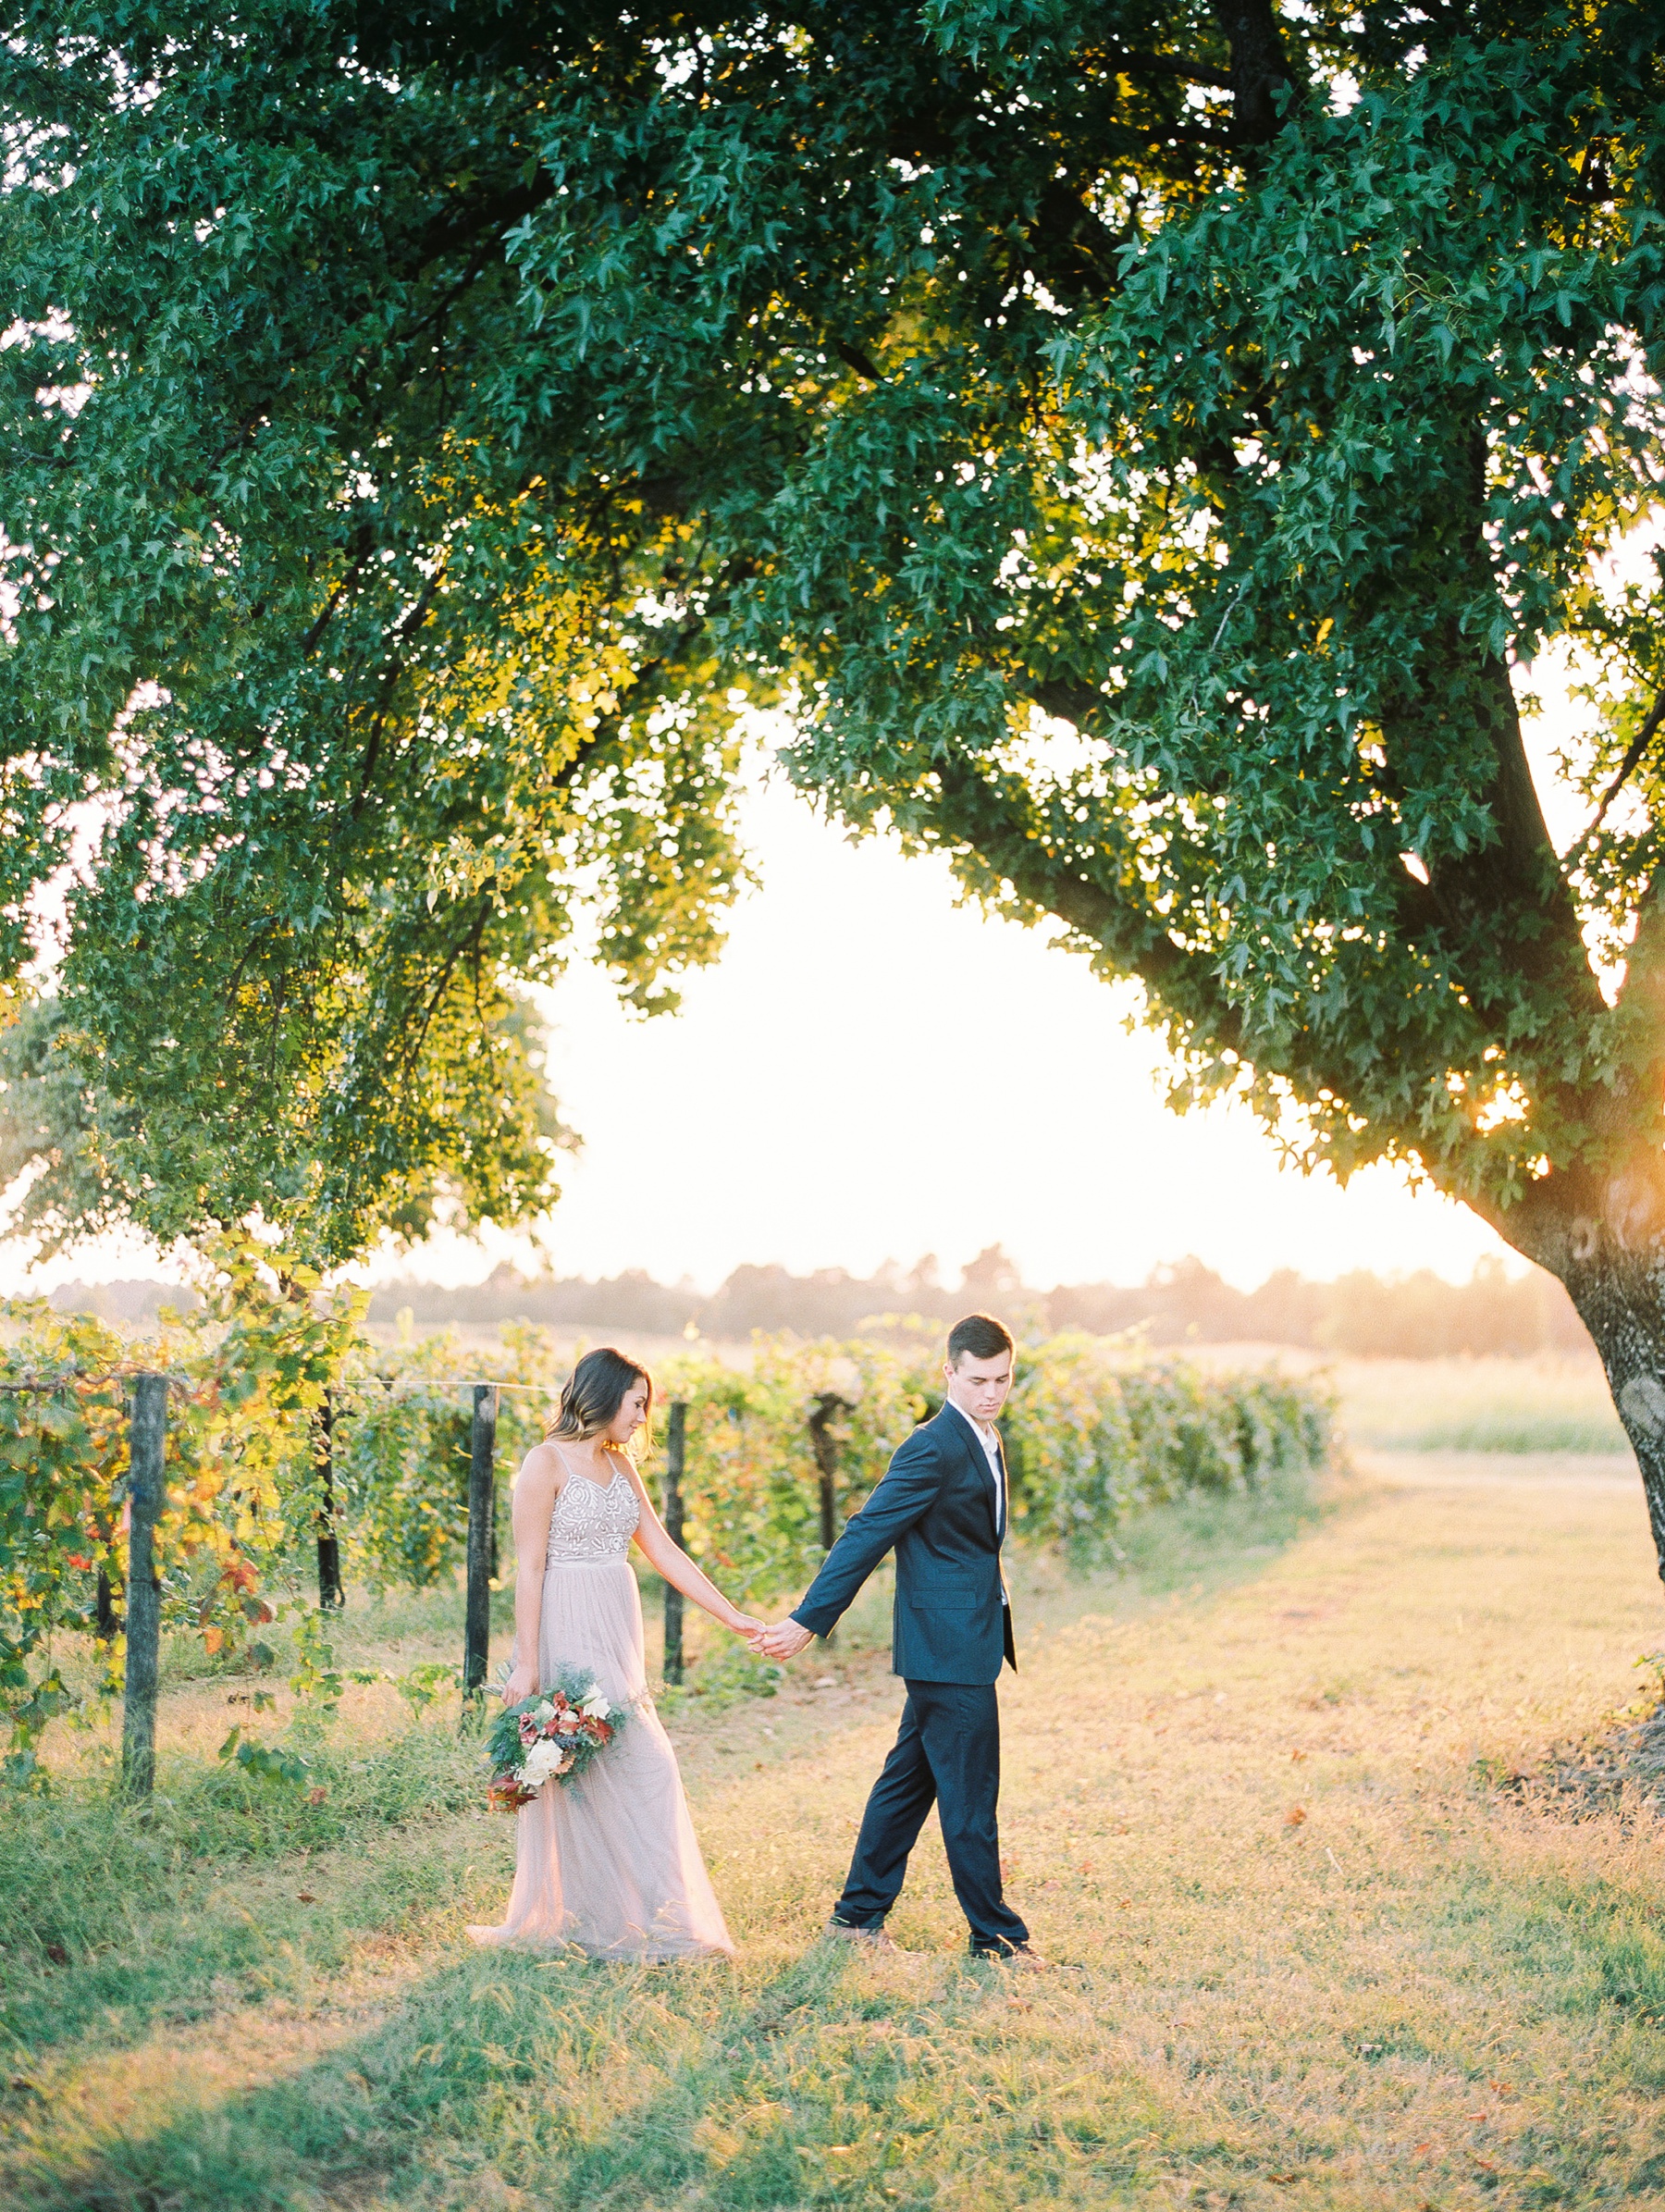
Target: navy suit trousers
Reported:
point(946, 1753)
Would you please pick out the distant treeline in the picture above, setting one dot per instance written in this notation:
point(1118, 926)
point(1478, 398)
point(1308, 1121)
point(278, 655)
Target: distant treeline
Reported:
point(1415, 1317)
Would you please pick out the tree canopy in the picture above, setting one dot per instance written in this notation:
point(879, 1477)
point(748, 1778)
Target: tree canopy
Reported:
point(1140, 444)
point(322, 705)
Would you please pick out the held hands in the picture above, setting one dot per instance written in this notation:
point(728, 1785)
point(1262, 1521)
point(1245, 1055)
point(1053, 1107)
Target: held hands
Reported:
point(785, 1641)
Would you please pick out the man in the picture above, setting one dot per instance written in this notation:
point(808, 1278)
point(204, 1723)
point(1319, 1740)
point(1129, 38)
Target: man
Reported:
point(942, 1505)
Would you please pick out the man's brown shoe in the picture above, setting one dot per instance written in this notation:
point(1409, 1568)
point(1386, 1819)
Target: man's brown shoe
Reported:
point(872, 1939)
point(1021, 1956)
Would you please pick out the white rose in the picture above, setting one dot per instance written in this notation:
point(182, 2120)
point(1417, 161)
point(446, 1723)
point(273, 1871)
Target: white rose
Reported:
point(542, 1760)
point(596, 1705)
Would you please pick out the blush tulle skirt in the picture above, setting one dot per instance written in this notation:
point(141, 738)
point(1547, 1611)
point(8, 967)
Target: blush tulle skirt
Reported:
point(609, 1863)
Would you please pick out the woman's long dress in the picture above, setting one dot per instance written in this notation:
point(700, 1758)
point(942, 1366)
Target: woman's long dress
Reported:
point(608, 1861)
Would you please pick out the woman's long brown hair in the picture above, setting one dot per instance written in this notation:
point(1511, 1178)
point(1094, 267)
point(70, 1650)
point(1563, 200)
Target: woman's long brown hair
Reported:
point(593, 1394)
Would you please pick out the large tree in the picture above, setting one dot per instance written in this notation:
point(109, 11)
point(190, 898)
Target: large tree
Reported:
point(1144, 445)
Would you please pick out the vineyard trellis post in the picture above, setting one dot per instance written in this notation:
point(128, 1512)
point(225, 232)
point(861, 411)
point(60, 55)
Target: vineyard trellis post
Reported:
point(482, 1509)
point(824, 1445)
point(676, 1436)
point(147, 1444)
point(332, 1596)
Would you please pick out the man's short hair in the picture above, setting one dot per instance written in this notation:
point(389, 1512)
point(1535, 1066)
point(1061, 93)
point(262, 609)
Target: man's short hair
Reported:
point(980, 1335)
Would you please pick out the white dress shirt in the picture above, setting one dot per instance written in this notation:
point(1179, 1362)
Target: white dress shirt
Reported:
point(990, 1442)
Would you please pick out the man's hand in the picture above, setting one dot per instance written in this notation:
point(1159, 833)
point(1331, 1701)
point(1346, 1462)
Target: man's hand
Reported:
point(785, 1641)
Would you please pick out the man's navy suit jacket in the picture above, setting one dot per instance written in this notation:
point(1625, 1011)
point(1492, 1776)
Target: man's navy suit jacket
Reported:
point(935, 1505)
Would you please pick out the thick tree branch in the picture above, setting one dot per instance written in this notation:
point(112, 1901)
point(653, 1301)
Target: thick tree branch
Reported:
point(998, 824)
point(1070, 241)
point(1173, 65)
point(1627, 768)
point(1509, 894)
point(1080, 704)
point(853, 357)
point(485, 213)
point(1260, 69)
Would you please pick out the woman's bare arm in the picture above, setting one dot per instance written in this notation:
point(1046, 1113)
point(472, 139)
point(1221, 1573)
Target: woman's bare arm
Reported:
point(536, 1487)
point(670, 1561)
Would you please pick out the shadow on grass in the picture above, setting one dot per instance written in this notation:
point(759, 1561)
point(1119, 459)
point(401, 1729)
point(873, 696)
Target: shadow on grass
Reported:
point(118, 1917)
point(586, 2084)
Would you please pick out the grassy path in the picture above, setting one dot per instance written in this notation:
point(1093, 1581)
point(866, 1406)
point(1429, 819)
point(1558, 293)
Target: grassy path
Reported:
point(1307, 1957)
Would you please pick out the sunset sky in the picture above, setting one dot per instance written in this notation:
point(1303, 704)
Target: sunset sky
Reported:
point(875, 1071)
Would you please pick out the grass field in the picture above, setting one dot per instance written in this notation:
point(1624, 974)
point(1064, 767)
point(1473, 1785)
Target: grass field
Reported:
point(1548, 1403)
point(1479, 1406)
point(1308, 1955)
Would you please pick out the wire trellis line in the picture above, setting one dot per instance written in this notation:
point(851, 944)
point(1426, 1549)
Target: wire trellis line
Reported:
point(444, 1382)
point(94, 1378)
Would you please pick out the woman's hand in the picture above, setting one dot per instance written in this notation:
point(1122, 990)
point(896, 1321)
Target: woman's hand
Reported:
point(522, 1683)
point(742, 1624)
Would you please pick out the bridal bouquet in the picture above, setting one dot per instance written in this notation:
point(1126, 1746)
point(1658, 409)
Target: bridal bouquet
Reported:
point(550, 1737)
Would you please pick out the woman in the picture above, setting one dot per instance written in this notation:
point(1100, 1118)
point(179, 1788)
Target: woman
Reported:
point(608, 1862)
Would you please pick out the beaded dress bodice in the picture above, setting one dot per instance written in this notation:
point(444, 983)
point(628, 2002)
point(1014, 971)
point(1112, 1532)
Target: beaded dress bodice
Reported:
point(592, 1521)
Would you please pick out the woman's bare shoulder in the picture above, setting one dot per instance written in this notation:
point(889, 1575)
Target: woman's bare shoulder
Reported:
point(541, 1468)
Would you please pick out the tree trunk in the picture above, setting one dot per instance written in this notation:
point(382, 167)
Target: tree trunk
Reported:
point(1622, 1308)
point(1604, 1237)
